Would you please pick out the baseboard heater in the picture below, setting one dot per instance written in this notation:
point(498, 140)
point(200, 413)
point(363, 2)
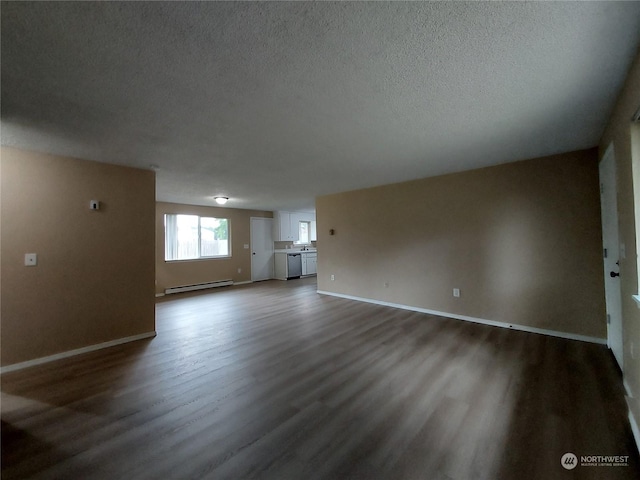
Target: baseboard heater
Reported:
point(199, 286)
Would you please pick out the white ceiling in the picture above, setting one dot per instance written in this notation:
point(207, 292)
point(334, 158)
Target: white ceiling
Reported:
point(274, 103)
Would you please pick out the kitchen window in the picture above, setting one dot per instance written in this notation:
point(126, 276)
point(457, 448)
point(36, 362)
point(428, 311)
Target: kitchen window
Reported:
point(190, 237)
point(304, 233)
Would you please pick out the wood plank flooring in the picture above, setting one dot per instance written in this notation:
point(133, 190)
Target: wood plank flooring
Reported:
point(274, 381)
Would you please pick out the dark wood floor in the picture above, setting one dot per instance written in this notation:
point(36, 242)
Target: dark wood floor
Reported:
point(274, 381)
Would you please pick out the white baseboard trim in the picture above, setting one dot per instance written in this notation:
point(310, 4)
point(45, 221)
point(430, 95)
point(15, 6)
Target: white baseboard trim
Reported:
point(77, 351)
point(243, 283)
point(493, 323)
point(158, 295)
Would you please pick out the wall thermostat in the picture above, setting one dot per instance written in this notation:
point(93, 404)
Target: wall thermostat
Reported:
point(94, 205)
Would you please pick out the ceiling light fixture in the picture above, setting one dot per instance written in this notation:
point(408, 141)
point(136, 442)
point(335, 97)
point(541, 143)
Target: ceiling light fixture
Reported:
point(221, 200)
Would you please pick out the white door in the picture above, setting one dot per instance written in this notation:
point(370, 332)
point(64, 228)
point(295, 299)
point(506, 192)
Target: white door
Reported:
point(261, 249)
point(611, 252)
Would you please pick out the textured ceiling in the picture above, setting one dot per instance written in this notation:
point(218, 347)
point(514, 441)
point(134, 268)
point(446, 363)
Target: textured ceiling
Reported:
point(274, 103)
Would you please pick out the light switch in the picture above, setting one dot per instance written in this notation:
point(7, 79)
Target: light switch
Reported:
point(246, 246)
point(31, 259)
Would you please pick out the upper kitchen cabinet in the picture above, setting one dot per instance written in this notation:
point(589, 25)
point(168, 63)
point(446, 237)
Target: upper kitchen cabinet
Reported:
point(286, 225)
point(314, 231)
point(283, 229)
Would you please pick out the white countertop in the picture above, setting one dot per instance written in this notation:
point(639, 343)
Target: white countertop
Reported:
point(295, 250)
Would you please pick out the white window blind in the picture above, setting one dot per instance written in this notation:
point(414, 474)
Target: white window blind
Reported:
point(189, 237)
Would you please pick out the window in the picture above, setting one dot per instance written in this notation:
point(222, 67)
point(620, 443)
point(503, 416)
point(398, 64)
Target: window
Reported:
point(304, 232)
point(188, 237)
point(304, 229)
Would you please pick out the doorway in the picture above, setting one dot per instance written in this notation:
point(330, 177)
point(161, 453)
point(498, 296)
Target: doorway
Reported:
point(261, 249)
point(611, 253)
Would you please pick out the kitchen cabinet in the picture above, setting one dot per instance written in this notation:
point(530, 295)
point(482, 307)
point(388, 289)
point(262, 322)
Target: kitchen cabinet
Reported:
point(313, 235)
point(286, 225)
point(309, 264)
point(295, 218)
point(280, 260)
point(284, 229)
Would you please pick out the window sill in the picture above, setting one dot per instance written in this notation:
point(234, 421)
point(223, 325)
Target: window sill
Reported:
point(199, 259)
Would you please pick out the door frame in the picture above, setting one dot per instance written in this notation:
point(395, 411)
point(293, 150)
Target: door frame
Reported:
point(611, 251)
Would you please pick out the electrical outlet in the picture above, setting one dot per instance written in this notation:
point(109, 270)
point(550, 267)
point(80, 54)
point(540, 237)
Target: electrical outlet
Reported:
point(31, 259)
point(239, 270)
point(456, 292)
point(333, 277)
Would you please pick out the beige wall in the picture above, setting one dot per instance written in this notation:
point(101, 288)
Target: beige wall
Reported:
point(94, 278)
point(522, 241)
point(189, 272)
point(618, 132)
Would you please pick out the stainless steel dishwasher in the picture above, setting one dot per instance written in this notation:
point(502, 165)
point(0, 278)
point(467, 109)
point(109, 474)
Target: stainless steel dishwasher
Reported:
point(294, 265)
